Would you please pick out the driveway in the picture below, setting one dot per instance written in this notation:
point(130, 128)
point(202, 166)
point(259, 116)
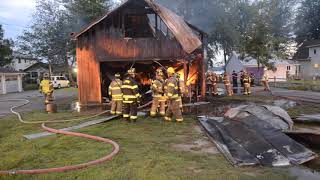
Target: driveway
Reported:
point(63, 97)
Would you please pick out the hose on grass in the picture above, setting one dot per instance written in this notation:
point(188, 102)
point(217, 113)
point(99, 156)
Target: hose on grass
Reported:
point(108, 157)
point(51, 121)
point(115, 146)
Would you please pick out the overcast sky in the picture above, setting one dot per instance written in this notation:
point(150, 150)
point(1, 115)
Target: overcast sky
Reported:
point(15, 16)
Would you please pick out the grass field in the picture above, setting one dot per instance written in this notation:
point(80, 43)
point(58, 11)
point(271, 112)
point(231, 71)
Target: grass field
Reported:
point(148, 150)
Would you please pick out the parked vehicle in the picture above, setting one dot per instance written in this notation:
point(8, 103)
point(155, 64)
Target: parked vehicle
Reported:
point(60, 82)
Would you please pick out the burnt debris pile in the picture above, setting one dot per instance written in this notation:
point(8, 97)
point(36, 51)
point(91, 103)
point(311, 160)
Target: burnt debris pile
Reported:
point(254, 135)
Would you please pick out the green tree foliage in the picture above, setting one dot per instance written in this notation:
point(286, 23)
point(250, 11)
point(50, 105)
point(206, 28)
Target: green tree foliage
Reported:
point(260, 28)
point(53, 22)
point(82, 12)
point(5, 49)
point(307, 25)
point(48, 35)
point(269, 33)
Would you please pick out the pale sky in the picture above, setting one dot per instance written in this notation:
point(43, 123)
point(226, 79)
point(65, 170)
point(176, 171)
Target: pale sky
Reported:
point(15, 16)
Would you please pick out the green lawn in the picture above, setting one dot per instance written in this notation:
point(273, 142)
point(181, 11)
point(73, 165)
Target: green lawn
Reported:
point(307, 82)
point(302, 85)
point(147, 151)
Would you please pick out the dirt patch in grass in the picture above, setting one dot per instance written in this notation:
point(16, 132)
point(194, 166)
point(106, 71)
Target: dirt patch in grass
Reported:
point(199, 146)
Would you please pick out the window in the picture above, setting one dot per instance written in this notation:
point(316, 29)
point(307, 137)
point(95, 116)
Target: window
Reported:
point(137, 26)
point(315, 51)
point(19, 60)
point(288, 68)
point(34, 74)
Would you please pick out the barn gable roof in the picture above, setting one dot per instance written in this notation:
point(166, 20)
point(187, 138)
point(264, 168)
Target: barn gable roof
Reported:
point(180, 29)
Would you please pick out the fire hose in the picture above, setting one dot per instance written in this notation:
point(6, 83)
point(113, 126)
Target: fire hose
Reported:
point(115, 146)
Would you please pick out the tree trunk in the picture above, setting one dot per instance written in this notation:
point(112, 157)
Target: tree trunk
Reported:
point(50, 69)
point(69, 68)
point(225, 56)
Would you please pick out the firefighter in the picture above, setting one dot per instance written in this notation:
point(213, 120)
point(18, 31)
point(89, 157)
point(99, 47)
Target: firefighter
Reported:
point(235, 82)
point(115, 93)
point(226, 81)
point(131, 96)
point(182, 88)
point(241, 78)
point(265, 80)
point(214, 79)
point(46, 88)
point(158, 96)
point(252, 78)
point(246, 83)
point(171, 89)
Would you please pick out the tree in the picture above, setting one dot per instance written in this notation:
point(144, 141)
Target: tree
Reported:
point(53, 22)
point(5, 49)
point(269, 34)
point(255, 28)
point(307, 25)
point(82, 12)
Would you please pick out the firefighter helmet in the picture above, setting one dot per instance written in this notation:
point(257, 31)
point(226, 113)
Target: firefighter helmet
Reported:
point(117, 75)
point(170, 71)
point(132, 71)
point(45, 75)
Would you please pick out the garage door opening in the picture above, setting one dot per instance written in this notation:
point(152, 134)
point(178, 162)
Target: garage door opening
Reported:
point(145, 73)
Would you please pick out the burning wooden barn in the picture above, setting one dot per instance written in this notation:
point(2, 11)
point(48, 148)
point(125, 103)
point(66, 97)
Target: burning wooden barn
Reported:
point(142, 34)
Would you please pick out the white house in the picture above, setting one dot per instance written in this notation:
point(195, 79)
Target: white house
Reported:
point(282, 68)
point(21, 62)
point(10, 80)
point(308, 55)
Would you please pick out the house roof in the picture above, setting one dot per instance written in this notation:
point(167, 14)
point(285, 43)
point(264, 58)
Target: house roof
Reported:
point(8, 70)
point(16, 54)
point(180, 29)
point(251, 62)
point(56, 68)
point(302, 53)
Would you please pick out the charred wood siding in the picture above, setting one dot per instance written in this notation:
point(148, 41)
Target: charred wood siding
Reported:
point(111, 45)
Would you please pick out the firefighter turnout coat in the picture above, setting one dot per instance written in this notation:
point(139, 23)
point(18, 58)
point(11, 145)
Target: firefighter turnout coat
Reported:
point(115, 93)
point(158, 98)
point(172, 92)
point(131, 96)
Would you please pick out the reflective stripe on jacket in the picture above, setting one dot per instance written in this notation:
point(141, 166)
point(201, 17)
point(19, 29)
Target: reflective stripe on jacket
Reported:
point(246, 79)
point(171, 88)
point(130, 90)
point(157, 88)
point(115, 89)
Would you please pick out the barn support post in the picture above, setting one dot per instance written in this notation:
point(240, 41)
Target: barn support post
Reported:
point(3, 84)
point(185, 72)
point(20, 83)
point(203, 80)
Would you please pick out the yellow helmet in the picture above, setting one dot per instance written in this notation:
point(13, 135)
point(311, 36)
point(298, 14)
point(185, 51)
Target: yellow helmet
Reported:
point(117, 75)
point(170, 70)
point(132, 71)
point(45, 75)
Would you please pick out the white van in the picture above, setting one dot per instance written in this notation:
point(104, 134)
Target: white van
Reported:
point(60, 82)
